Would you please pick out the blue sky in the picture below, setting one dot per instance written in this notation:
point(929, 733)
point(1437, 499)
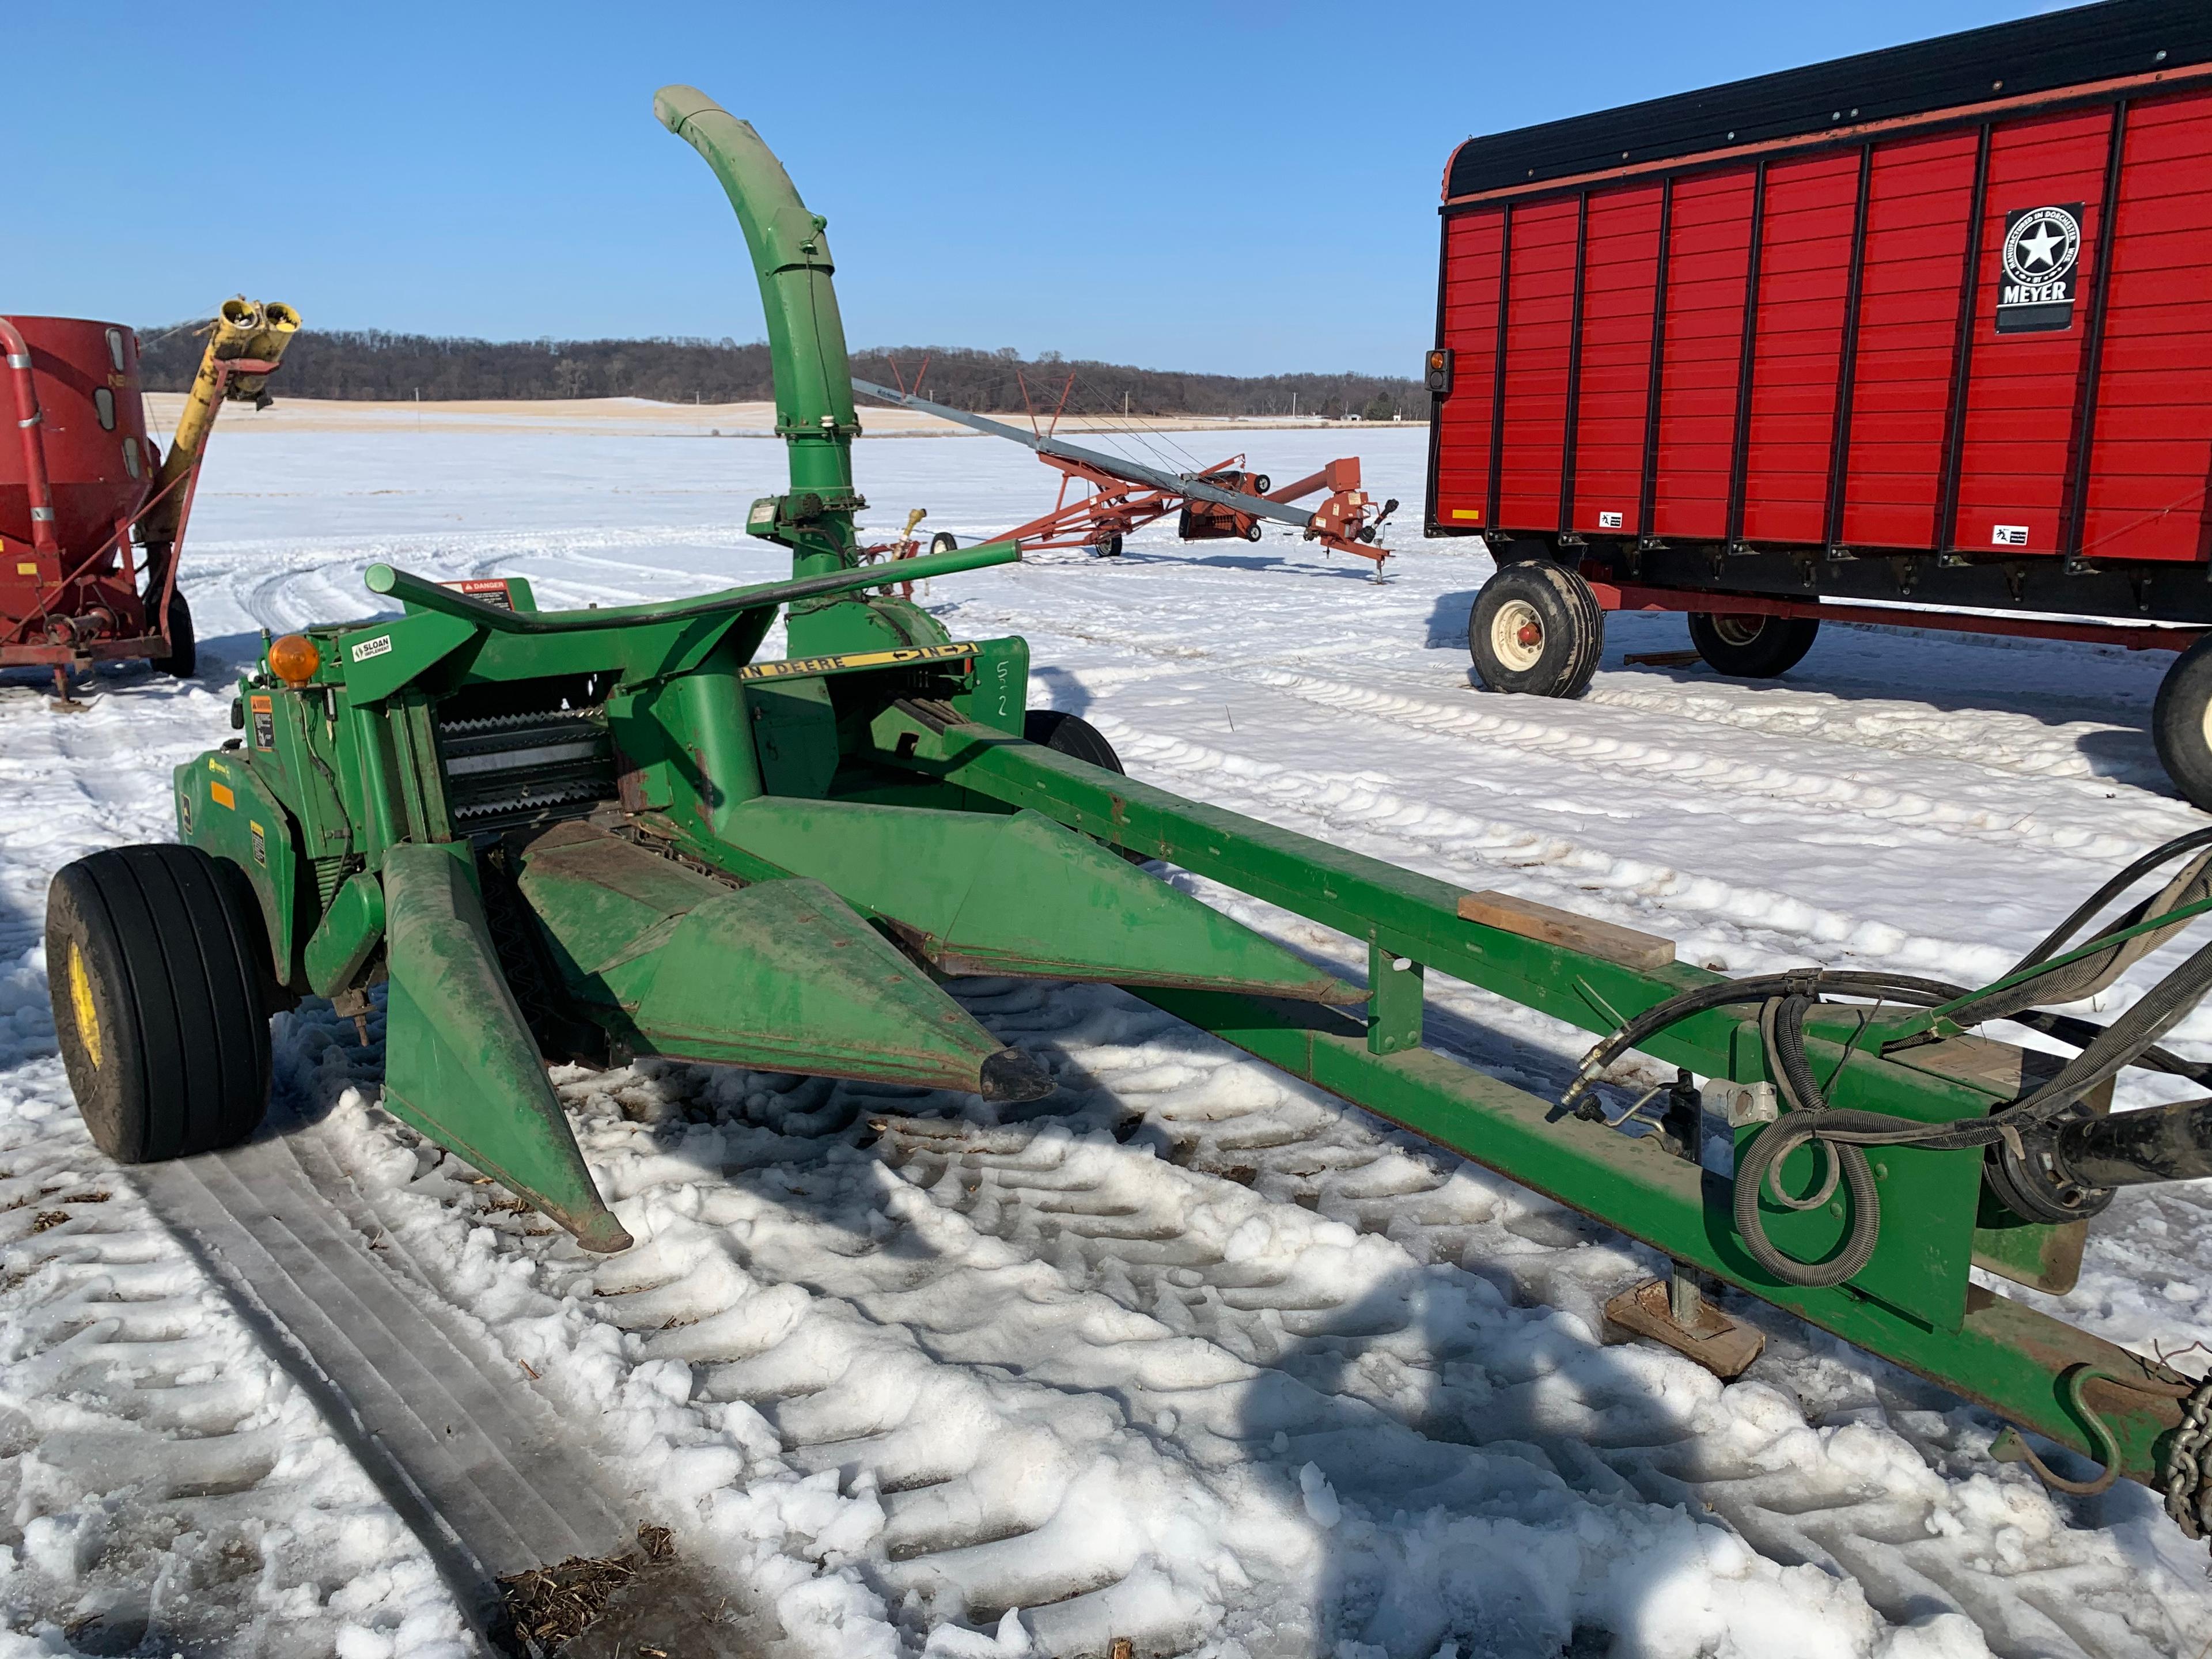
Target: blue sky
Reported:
point(1215, 184)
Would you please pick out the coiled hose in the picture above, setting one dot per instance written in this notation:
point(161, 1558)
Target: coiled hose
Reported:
point(2046, 973)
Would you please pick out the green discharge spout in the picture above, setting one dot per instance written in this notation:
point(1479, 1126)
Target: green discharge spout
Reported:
point(807, 337)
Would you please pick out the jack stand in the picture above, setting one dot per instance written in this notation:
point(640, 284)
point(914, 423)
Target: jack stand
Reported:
point(355, 1004)
point(63, 703)
point(1674, 1312)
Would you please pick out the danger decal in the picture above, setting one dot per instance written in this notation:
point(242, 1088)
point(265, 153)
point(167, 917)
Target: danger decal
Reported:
point(485, 590)
point(2041, 258)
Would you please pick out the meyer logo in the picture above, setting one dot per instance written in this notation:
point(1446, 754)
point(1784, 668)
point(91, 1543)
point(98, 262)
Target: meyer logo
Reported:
point(2041, 255)
point(375, 647)
point(2009, 535)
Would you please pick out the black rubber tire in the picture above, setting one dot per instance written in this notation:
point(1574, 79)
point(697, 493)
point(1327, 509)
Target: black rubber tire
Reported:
point(155, 962)
point(1109, 548)
point(1073, 736)
point(944, 541)
point(1078, 740)
point(184, 656)
point(1253, 532)
point(1262, 484)
point(1752, 647)
point(1569, 623)
point(2178, 724)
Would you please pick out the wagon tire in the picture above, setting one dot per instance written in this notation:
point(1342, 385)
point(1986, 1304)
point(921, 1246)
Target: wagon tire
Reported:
point(2179, 722)
point(1536, 628)
point(183, 657)
point(1752, 647)
point(156, 966)
point(944, 541)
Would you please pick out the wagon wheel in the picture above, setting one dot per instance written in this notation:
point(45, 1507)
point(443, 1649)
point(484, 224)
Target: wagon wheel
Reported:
point(1752, 647)
point(1536, 628)
point(2181, 723)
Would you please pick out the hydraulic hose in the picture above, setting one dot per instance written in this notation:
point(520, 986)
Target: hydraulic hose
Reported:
point(2138, 1147)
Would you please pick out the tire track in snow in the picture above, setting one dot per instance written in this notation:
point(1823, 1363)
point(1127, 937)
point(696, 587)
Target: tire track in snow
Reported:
point(2012, 815)
point(1820, 1456)
point(1362, 811)
point(907, 1413)
point(167, 1486)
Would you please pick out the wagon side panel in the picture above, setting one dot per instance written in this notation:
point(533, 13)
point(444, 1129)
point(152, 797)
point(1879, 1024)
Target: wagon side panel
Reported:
point(1708, 265)
point(1473, 246)
point(2150, 447)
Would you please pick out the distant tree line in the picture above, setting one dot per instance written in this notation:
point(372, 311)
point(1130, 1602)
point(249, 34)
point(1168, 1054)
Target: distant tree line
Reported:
point(374, 366)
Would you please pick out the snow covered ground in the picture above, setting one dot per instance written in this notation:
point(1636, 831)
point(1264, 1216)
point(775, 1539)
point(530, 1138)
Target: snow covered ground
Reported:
point(1188, 1353)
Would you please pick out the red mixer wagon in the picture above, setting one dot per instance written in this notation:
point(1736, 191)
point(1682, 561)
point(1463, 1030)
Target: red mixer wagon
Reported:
point(91, 513)
point(1922, 336)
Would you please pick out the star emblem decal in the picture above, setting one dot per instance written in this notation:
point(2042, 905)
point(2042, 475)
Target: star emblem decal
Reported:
point(2036, 248)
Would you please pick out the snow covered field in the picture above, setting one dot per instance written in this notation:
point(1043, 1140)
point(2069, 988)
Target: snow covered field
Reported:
point(1188, 1353)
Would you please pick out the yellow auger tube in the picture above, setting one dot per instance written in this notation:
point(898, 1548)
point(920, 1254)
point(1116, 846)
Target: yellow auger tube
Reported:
point(242, 331)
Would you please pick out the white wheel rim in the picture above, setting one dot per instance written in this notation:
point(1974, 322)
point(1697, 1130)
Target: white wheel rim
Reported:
point(1517, 636)
point(1739, 630)
point(2205, 721)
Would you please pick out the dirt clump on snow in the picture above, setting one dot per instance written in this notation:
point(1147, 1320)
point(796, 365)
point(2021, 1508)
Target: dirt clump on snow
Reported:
point(550, 1607)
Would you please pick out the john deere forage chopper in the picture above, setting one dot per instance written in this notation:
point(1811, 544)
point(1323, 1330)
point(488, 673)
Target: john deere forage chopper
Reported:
point(613, 831)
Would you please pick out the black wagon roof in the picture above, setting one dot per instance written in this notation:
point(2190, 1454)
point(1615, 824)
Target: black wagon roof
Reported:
point(2047, 53)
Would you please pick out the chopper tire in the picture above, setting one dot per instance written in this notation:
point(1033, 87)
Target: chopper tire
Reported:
point(2181, 724)
point(1078, 740)
point(183, 646)
point(1752, 647)
point(156, 976)
point(1073, 736)
point(944, 542)
point(1536, 628)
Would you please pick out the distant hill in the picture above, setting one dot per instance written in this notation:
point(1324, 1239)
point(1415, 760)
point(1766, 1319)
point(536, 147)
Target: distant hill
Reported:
point(371, 365)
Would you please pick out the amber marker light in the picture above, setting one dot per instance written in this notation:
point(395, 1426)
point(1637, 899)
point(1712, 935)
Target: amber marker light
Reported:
point(293, 659)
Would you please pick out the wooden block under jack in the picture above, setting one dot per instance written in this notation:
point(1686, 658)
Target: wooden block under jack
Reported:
point(1718, 1343)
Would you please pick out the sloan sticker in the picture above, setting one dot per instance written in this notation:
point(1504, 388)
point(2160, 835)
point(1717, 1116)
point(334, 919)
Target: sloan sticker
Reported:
point(2041, 256)
point(375, 647)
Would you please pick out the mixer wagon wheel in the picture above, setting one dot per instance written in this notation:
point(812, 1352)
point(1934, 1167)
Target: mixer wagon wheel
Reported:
point(1536, 628)
point(944, 542)
point(184, 645)
point(156, 978)
point(2181, 723)
point(1752, 647)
